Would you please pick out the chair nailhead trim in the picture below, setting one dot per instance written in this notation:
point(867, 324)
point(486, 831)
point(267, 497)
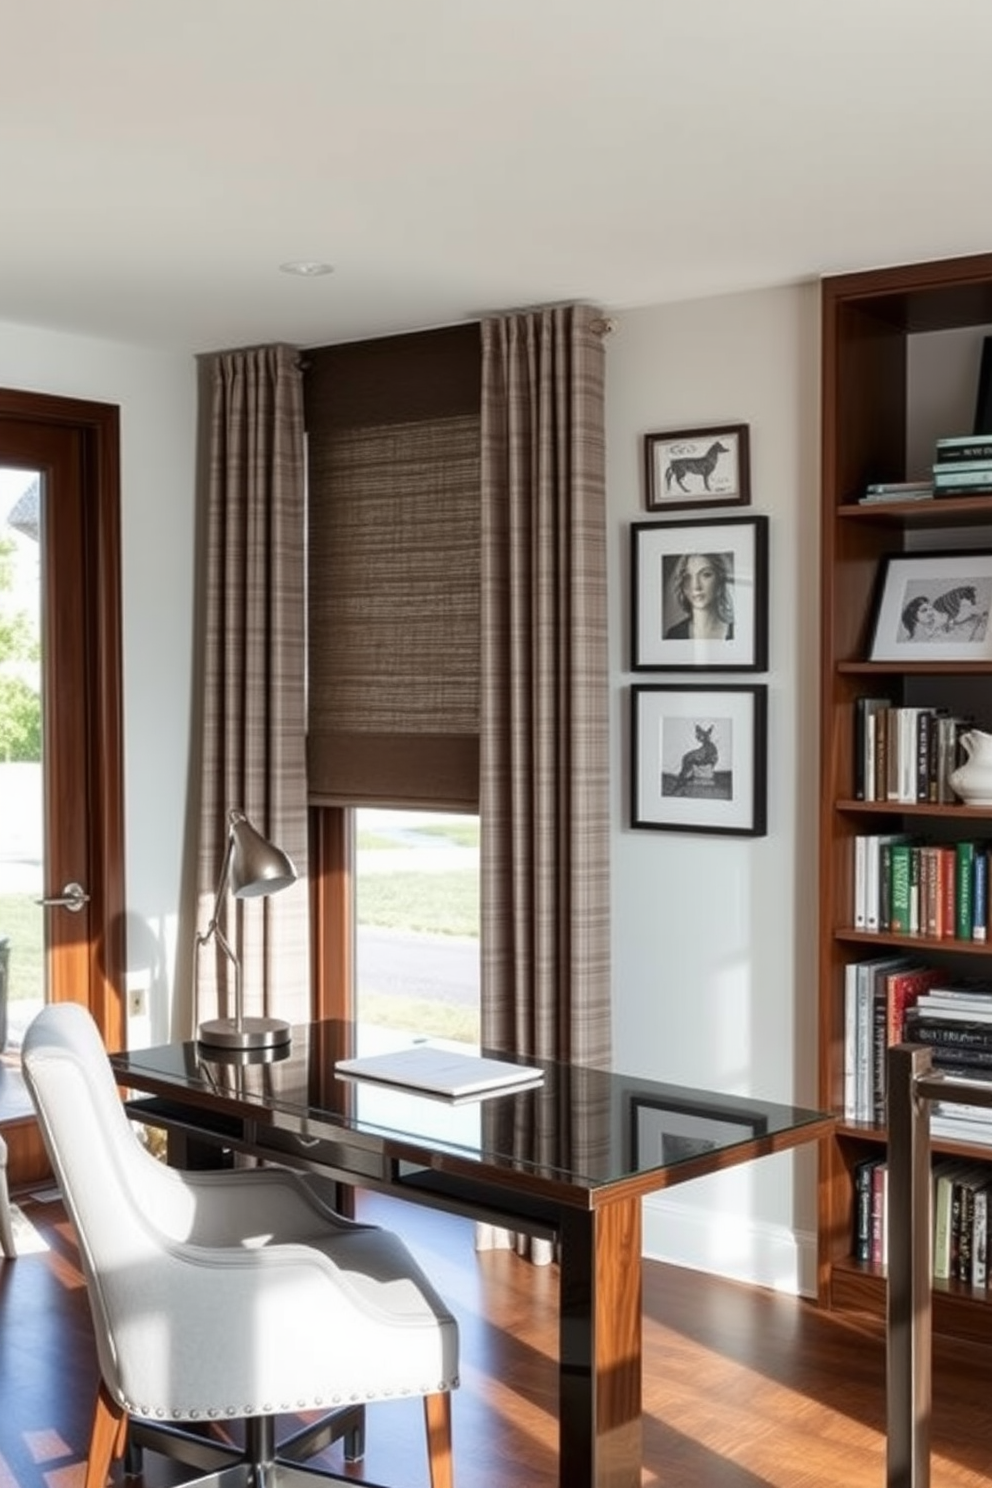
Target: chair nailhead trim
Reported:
point(302, 1404)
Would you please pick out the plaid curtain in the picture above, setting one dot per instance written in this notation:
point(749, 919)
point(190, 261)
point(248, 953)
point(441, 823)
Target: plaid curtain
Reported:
point(252, 629)
point(544, 727)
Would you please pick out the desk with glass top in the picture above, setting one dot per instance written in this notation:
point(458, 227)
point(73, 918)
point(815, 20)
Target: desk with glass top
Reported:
point(570, 1158)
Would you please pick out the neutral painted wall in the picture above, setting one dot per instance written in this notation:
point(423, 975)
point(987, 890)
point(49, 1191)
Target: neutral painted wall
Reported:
point(714, 937)
point(156, 394)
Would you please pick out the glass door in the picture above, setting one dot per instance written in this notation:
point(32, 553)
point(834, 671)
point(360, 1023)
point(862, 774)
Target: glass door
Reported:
point(22, 877)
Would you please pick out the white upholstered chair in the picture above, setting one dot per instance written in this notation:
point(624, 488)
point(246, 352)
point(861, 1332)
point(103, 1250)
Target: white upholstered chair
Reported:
point(6, 1218)
point(227, 1295)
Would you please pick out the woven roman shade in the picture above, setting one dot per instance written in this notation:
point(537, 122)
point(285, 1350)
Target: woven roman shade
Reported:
point(393, 436)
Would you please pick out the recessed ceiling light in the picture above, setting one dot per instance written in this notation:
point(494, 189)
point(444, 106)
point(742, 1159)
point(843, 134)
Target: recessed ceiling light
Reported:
point(306, 268)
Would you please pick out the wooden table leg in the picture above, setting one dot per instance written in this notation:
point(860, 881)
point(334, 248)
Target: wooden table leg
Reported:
point(600, 1347)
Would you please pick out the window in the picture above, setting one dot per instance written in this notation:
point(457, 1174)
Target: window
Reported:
point(417, 922)
point(393, 474)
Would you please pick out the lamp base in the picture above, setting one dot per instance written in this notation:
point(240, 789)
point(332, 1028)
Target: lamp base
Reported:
point(252, 1033)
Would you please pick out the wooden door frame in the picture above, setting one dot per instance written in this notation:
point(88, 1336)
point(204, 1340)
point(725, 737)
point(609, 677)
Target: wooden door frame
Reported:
point(98, 428)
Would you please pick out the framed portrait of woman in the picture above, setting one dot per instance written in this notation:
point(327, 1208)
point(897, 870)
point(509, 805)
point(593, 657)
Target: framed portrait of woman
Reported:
point(699, 595)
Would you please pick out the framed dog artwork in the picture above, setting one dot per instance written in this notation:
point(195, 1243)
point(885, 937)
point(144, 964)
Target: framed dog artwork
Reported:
point(698, 759)
point(686, 468)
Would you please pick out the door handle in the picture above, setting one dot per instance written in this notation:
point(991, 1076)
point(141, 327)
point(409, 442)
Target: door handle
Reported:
point(72, 898)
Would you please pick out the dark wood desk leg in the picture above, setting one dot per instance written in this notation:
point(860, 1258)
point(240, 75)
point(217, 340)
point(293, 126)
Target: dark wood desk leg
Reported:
point(599, 1369)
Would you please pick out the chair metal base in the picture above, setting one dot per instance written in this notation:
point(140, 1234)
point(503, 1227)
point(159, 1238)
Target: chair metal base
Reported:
point(259, 1463)
point(269, 1475)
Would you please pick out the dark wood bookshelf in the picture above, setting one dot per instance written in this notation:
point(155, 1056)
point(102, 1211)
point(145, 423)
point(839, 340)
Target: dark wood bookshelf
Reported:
point(873, 325)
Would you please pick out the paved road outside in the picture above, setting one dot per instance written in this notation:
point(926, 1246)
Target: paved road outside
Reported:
point(439, 968)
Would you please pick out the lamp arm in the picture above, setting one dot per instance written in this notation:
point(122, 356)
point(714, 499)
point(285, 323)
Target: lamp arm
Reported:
point(221, 894)
point(214, 932)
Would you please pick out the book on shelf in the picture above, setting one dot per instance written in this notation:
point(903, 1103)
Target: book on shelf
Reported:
point(908, 986)
point(949, 1124)
point(963, 473)
point(951, 1040)
point(958, 995)
point(850, 1087)
point(880, 877)
point(879, 1247)
point(964, 874)
point(963, 1220)
point(980, 896)
point(864, 745)
point(878, 492)
point(964, 448)
point(863, 1197)
point(899, 866)
point(945, 489)
point(961, 991)
point(945, 1172)
point(979, 1239)
point(951, 1004)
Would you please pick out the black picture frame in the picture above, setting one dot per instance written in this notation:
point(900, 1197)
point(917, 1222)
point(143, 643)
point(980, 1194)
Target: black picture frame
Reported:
point(666, 1132)
point(698, 759)
point(983, 400)
point(933, 607)
point(686, 468)
point(663, 557)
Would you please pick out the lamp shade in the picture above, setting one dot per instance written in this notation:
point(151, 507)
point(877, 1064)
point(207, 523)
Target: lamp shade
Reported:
point(257, 865)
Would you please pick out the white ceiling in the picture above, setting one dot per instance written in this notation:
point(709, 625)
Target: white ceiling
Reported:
point(160, 158)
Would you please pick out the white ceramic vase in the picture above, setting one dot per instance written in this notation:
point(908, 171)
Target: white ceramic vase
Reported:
point(972, 781)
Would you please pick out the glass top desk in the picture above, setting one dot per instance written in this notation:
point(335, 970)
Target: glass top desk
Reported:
point(570, 1158)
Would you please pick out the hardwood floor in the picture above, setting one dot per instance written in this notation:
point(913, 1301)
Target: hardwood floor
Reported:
point(743, 1388)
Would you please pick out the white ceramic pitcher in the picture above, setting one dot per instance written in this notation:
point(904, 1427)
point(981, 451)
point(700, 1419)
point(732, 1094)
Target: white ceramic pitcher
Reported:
point(972, 781)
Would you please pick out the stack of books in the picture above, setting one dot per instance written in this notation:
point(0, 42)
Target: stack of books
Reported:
point(963, 466)
point(954, 1020)
point(882, 491)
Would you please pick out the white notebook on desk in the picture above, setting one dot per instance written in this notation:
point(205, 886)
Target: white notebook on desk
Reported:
point(440, 1071)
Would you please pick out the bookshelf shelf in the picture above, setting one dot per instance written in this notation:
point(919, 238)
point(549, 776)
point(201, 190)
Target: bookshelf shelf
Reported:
point(940, 811)
point(914, 669)
point(964, 512)
point(878, 331)
point(871, 1136)
point(957, 1310)
point(921, 944)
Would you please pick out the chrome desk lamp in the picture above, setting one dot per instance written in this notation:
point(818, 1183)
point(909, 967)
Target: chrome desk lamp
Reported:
point(252, 867)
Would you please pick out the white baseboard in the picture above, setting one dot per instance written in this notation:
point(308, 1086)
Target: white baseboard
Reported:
point(725, 1245)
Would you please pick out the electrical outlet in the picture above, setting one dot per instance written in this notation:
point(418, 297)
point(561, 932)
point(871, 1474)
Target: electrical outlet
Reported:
point(137, 1002)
